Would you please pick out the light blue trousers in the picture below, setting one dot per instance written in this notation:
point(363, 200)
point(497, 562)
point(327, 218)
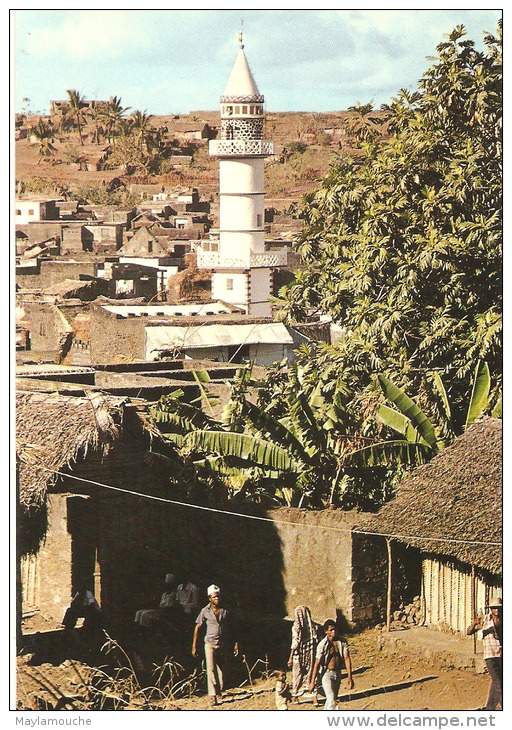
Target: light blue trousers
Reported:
point(331, 681)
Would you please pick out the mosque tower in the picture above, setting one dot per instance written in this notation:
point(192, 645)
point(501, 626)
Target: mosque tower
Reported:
point(242, 268)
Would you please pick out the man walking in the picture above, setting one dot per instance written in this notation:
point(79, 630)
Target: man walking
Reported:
point(491, 626)
point(216, 623)
point(332, 655)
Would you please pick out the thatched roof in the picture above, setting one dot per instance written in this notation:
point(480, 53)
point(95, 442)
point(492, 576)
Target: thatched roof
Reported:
point(52, 431)
point(457, 496)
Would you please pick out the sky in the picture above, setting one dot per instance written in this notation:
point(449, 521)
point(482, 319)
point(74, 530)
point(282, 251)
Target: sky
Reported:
point(176, 61)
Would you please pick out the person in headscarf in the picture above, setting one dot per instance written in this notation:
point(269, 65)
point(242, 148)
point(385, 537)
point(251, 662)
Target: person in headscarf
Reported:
point(302, 652)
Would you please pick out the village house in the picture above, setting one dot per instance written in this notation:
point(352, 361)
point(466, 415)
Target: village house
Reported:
point(71, 530)
point(46, 273)
point(212, 331)
point(442, 532)
point(33, 210)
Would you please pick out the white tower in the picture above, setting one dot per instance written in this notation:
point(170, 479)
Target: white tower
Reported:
point(242, 268)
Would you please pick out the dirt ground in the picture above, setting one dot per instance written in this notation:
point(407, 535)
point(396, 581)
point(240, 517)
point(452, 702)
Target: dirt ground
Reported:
point(385, 679)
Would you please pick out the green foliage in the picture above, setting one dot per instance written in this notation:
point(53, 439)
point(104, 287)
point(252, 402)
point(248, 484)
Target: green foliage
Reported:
point(295, 444)
point(407, 418)
point(297, 146)
point(403, 248)
point(75, 110)
point(44, 133)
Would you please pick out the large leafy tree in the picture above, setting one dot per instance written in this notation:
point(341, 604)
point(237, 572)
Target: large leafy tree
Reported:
point(402, 246)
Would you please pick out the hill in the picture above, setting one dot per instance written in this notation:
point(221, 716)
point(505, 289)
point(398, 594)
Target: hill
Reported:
point(305, 144)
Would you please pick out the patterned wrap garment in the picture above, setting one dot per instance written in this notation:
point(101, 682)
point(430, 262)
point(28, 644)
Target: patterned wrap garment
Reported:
point(304, 641)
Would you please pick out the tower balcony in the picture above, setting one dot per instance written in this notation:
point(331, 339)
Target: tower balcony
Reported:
point(264, 260)
point(241, 148)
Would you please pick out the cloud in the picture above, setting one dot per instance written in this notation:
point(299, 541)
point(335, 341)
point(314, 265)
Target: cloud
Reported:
point(157, 59)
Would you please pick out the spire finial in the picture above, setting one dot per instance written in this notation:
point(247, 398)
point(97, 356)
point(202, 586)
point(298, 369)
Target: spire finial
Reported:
point(241, 33)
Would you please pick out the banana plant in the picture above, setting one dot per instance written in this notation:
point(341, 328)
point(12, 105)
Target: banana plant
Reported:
point(422, 438)
point(295, 441)
point(301, 435)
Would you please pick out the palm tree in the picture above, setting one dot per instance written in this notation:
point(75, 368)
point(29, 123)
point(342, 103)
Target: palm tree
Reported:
point(140, 125)
point(76, 110)
point(97, 113)
point(113, 115)
point(43, 132)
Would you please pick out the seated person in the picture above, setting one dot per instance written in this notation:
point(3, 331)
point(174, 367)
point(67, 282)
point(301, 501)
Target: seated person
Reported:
point(83, 605)
point(189, 598)
point(168, 603)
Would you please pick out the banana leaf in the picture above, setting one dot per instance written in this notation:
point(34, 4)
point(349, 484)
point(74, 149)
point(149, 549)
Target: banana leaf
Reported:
point(480, 393)
point(254, 451)
point(398, 422)
point(408, 408)
point(391, 453)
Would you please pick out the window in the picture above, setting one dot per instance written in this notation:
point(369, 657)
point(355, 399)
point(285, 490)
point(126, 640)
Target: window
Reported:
point(237, 110)
point(244, 110)
point(259, 220)
point(229, 284)
point(18, 211)
point(31, 211)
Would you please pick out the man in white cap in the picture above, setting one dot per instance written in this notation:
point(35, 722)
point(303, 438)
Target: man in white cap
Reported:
point(216, 623)
point(491, 626)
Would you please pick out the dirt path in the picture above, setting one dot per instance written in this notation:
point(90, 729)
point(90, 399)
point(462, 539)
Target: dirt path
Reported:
point(383, 681)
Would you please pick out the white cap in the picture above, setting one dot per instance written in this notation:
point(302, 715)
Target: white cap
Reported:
point(213, 589)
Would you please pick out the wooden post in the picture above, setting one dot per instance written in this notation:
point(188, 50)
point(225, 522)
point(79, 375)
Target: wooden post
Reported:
point(473, 603)
point(390, 583)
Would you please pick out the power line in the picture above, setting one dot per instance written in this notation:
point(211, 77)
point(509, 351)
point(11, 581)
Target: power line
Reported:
point(265, 519)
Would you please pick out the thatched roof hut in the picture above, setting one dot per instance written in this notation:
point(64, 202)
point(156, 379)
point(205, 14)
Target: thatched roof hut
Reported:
point(452, 506)
point(54, 431)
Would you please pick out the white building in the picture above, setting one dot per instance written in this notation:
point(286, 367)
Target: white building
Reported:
point(242, 268)
point(34, 210)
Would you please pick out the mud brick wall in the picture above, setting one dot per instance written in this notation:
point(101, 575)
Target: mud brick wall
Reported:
point(317, 557)
point(55, 272)
point(53, 577)
point(48, 328)
point(116, 339)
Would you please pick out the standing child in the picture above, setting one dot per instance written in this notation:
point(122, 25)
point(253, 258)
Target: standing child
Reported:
point(282, 692)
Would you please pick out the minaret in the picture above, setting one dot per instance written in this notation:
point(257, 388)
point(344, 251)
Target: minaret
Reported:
point(242, 269)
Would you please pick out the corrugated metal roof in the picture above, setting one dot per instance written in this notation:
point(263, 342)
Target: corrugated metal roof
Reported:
point(216, 335)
